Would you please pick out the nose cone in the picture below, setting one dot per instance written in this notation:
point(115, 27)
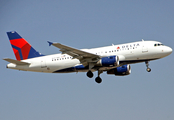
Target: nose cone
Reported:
point(168, 50)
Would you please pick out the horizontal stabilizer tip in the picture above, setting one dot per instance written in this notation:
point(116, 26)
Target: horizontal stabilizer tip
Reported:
point(50, 43)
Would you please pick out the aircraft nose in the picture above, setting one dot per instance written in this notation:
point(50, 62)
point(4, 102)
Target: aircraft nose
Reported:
point(168, 50)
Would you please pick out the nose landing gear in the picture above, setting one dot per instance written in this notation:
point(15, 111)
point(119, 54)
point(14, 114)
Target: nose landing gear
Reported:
point(147, 65)
point(148, 70)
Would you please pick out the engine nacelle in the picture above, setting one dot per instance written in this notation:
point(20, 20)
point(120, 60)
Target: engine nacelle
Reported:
point(109, 61)
point(120, 71)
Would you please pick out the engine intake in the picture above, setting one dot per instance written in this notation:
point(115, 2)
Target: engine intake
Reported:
point(120, 71)
point(109, 61)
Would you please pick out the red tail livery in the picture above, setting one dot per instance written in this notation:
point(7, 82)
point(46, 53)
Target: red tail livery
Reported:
point(21, 48)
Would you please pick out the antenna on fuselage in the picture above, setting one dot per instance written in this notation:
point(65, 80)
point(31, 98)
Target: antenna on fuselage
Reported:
point(142, 40)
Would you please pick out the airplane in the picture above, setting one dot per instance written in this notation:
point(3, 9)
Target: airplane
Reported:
point(114, 60)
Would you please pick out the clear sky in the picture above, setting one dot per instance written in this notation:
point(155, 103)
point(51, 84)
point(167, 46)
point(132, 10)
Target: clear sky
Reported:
point(87, 24)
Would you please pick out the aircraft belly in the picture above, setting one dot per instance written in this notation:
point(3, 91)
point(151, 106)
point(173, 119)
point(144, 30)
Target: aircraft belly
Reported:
point(66, 66)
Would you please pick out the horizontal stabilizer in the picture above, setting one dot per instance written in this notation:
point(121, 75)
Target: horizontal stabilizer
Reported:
point(16, 61)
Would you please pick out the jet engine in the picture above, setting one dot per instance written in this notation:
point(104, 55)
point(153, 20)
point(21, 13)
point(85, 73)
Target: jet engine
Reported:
point(109, 61)
point(120, 71)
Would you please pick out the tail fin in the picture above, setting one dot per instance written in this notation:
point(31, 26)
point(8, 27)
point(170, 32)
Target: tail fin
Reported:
point(21, 48)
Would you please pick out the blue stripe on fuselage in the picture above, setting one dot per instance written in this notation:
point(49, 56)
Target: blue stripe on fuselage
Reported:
point(71, 69)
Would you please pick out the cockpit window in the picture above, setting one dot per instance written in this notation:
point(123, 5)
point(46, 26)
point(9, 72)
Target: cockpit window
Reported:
point(159, 44)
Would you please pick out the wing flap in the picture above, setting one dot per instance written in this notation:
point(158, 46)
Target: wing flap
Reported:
point(16, 61)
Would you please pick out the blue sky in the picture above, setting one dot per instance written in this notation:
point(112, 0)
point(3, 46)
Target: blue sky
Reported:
point(87, 24)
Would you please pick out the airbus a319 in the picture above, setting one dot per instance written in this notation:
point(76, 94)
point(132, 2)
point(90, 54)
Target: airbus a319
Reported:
point(114, 60)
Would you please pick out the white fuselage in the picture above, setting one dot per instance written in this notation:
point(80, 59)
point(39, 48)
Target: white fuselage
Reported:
point(128, 53)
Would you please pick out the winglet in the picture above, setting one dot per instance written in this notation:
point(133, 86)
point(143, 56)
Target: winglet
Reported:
point(50, 43)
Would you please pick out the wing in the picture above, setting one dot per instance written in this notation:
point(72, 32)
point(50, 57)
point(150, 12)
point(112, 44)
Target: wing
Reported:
point(83, 56)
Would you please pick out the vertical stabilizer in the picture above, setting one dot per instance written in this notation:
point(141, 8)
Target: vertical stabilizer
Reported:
point(21, 48)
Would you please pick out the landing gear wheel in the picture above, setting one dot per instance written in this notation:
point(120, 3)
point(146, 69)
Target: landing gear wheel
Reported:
point(98, 80)
point(89, 74)
point(147, 65)
point(148, 69)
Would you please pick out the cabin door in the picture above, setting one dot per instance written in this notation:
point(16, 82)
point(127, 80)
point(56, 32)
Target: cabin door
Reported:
point(43, 64)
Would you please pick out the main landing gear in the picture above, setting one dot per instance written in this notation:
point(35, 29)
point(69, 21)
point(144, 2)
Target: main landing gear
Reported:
point(147, 65)
point(89, 74)
point(97, 79)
